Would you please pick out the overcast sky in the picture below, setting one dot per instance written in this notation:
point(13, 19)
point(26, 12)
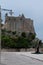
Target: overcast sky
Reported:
point(30, 8)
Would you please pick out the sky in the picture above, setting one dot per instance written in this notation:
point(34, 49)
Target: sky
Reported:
point(30, 8)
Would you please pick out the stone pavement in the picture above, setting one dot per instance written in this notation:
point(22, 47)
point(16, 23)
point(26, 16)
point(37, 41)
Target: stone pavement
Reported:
point(35, 56)
point(18, 58)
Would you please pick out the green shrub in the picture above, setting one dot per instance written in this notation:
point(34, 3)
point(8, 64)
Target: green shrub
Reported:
point(15, 42)
point(23, 34)
point(14, 32)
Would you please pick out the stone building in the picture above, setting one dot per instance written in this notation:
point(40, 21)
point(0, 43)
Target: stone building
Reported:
point(19, 24)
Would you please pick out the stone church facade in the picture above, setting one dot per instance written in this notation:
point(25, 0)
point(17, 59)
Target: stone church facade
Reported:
point(19, 24)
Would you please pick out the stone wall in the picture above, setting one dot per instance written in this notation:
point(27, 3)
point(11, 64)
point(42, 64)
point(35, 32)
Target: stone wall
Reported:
point(19, 24)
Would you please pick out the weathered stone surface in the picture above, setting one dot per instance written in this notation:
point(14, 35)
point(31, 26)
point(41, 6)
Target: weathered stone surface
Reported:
point(15, 58)
point(19, 24)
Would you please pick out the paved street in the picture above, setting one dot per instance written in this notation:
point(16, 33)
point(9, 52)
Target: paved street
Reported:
point(15, 58)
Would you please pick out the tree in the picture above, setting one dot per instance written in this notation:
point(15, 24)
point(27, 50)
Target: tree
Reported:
point(31, 36)
point(8, 31)
point(23, 34)
point(7, 42)
point(14, 32)
point(3, 31)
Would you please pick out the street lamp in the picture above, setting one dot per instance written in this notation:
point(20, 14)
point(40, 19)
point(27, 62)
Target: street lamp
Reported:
point(0, 27)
